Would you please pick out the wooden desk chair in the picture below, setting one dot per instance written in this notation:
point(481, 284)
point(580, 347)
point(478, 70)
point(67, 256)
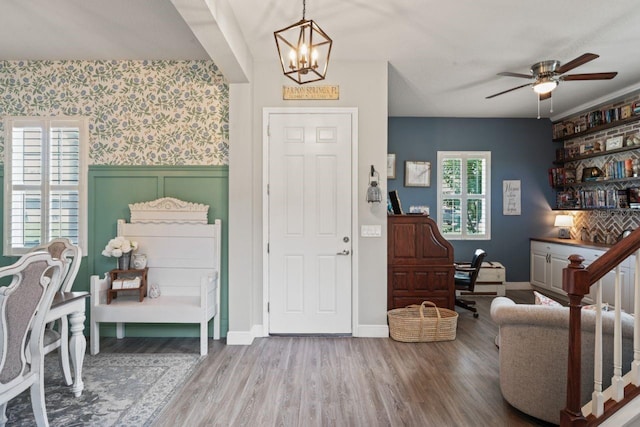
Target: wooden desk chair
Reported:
point(71, 256)
point(465, 279)
point(23, 308)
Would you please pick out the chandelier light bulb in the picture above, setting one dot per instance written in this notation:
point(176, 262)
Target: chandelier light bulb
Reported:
point(292, 59)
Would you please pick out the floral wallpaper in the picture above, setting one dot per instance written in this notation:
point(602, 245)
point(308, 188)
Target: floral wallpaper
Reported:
point(140, 112)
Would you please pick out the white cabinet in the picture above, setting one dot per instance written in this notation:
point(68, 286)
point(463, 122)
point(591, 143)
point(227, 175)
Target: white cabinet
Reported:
point(547, 262)
point(549, 259)
point(540, 264)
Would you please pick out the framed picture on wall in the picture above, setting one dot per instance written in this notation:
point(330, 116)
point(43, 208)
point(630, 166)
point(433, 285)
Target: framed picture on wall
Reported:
point(417, 174)
point(391, 166)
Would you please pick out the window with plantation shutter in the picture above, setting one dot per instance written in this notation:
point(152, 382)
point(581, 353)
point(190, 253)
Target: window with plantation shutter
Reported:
point(464, 194)
point(45, 188)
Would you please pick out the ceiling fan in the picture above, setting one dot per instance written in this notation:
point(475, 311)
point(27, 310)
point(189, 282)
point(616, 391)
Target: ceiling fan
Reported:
point(546, 75)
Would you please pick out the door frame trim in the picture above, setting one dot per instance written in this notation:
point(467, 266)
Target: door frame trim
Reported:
point(266, 111)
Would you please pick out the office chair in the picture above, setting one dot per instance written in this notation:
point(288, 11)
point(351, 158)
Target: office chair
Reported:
point(465, 279)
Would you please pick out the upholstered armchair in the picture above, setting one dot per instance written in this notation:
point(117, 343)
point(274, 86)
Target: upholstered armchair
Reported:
point(533, 342)
point(71, 256)
point(24, 305)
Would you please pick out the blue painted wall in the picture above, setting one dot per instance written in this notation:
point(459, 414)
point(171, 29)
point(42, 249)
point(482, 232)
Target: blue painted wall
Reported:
point(520, 149)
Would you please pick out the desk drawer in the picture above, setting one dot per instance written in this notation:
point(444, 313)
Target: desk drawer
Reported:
point(491, 273)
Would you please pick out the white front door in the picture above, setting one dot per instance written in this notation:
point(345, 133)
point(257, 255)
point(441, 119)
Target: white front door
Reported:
point(310, 215)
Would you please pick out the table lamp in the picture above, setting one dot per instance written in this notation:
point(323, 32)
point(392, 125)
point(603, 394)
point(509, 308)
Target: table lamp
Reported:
point(564, 222)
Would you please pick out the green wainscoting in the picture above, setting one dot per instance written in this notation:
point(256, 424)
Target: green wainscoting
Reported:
point(113, 188)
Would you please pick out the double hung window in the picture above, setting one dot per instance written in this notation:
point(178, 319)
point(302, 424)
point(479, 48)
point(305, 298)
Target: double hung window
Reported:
point(464, 203)
point(45, 182)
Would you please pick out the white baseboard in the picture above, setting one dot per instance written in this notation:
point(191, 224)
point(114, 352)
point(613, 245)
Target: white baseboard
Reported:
point(518, 286)
point(245, 337)
point(239, 338)
point(371, 331)
point(258, 331)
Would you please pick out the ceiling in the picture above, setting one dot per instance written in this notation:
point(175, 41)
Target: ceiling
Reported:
point(443, 56)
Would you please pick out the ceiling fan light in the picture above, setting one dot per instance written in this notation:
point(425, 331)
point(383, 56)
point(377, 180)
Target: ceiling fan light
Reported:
point(544, 86)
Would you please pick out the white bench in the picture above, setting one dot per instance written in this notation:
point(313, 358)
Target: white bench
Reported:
point(183, 257)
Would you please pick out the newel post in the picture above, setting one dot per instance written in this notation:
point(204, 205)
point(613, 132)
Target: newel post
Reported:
point(575, 282)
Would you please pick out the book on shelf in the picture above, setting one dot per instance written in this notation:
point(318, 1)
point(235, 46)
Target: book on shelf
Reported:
point(567, 200)
point(634, 197)
point(611, 198)
point(623, 199)
point(593, 199)
point(559, 177)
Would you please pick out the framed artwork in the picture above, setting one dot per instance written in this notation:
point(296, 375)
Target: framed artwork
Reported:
point(614, 143)
point(391, 166)
point(417, 174)
point(511, 197)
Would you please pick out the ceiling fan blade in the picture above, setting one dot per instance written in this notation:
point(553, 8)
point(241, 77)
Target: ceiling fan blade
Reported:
point(510, 74)
point(580, 60)
point(590, 76)
point(506, 91)
point(544, 96)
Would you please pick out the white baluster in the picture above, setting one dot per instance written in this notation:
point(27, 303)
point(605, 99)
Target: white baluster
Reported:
point(635, 365)
point(597, 398)
point(617, 382)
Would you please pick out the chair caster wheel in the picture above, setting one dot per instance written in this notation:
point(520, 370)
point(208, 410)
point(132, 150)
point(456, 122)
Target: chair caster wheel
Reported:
point(475, 315)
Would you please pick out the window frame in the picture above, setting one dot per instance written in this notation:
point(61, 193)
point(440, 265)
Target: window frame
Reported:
point(46, 123)
point(464, 196)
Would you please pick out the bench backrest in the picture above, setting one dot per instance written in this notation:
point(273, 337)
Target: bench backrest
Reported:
point(178, 255)
point(180, 246)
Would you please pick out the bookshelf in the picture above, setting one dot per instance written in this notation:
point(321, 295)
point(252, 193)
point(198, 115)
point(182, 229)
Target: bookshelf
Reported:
point(588, 176)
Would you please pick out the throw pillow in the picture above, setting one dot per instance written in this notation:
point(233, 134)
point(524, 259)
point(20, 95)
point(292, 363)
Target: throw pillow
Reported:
point(545, 300)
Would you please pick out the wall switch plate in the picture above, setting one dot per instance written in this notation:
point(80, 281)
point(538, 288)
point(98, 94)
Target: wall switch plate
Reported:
point(371, 231)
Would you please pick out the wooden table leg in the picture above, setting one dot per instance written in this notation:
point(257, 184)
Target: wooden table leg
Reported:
point(77, 348)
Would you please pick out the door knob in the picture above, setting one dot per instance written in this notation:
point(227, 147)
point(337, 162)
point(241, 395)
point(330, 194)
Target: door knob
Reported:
point(344, 252)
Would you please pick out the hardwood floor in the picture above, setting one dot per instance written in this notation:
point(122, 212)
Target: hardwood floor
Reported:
point(308, 381)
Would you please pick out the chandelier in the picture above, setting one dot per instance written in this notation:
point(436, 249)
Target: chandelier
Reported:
point(304, 50)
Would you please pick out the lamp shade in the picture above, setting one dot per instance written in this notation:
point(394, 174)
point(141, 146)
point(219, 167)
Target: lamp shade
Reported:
point(544, 85)
point(563, 221)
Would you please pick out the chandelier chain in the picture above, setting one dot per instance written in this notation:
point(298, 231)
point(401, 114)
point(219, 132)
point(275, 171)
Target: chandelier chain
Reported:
point(304, 8)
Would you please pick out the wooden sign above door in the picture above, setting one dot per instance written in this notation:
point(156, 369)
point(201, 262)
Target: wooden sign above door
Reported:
point(327, 92)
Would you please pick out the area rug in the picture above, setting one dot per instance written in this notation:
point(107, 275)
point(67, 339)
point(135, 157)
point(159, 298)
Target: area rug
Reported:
point(119, 390)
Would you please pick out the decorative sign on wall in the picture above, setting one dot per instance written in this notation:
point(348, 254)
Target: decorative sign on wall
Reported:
point(311, 92)
point(511, 197)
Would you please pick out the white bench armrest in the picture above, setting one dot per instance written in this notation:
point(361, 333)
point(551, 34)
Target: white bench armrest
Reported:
point(99, 289)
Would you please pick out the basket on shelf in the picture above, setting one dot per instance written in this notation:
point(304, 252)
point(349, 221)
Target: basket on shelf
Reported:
point(419, 323)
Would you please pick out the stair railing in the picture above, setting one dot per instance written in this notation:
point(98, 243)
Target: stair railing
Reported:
point(577, 281)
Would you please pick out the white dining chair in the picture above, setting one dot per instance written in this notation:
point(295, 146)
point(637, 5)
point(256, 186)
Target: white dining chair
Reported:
point(24, 304)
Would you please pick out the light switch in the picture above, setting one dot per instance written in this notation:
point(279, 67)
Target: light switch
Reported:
point(371, 231)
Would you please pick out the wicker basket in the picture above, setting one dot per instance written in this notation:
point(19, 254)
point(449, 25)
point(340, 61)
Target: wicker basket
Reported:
point(418, 323)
